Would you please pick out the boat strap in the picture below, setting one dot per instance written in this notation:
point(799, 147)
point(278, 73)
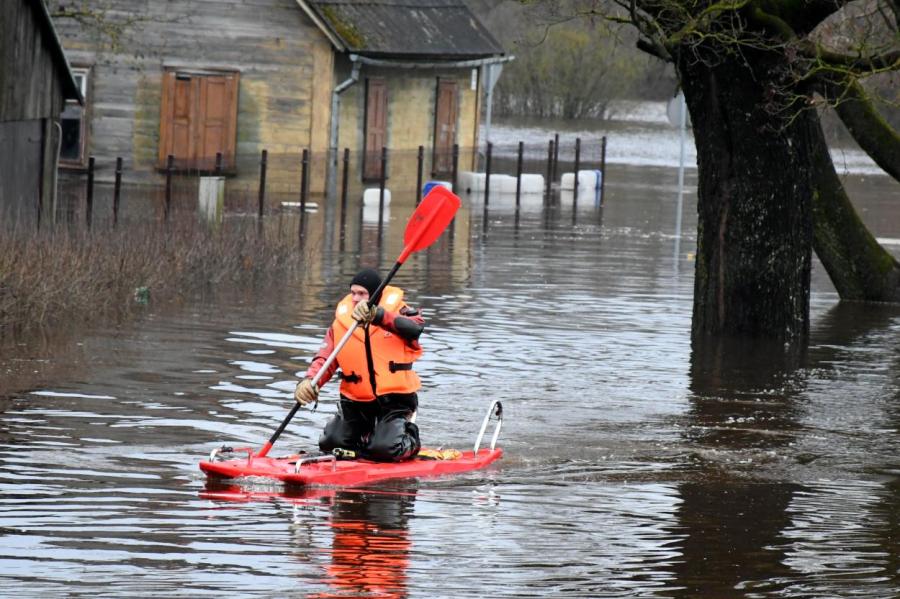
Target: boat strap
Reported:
point(350, 378)
point(392, 366)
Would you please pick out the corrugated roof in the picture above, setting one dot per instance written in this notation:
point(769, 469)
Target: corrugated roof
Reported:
point(433, 29)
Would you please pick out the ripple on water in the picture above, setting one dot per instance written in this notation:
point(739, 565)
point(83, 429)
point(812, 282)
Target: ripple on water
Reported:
point(627, 471)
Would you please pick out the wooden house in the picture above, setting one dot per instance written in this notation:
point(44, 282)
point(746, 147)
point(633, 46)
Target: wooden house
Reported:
point(35, 84)
point(192, 78)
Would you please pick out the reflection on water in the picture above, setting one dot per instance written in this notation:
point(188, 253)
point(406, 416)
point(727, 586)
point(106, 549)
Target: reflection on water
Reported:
point(370, 545)
point(635, 465)
point(366, 536)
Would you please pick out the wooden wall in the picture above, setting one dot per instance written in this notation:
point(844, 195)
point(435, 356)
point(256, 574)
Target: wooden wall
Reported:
point(29, 86)
point(31, 98)
point(285, 67)
point(412, 96)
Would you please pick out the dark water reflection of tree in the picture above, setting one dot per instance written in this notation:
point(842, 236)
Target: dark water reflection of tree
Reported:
point(744, 402)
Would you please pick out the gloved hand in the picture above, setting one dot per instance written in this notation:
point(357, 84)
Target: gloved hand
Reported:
point(305, 392)
point(364, 313)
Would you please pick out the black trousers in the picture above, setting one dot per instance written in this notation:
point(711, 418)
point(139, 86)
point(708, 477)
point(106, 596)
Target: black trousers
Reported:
point(377, 430)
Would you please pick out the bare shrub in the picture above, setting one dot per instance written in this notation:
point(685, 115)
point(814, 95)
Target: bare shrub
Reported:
point(60, 275)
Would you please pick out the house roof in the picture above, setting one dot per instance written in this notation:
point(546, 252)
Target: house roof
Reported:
point(45, 22)
point(410, 29)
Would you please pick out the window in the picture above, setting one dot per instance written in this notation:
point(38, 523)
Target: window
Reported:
point(198, 119)
point(74, 124)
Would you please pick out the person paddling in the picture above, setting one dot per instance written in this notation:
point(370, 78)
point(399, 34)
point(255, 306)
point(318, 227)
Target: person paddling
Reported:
point(377, 410)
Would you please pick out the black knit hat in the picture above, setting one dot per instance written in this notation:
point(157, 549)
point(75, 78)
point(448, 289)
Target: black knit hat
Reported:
point(368, 278)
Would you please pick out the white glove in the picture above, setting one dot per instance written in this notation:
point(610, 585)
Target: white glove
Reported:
point(306, 392)
point(364, 313)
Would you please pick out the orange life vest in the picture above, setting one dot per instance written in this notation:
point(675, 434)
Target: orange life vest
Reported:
point(391, 356)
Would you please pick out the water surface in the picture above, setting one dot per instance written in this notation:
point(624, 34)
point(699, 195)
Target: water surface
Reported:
point(631, 467)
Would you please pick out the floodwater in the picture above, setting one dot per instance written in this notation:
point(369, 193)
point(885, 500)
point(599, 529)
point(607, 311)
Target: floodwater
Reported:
point(632, 467)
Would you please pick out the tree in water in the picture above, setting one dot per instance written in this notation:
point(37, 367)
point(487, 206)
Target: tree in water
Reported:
point(754, 73)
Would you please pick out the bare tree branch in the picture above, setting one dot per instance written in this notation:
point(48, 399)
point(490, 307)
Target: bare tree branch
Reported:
point(859, 65)
point(873, 134)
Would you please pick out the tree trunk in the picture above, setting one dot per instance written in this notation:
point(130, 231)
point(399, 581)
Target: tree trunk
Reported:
point(754, 239)
point(859, 268)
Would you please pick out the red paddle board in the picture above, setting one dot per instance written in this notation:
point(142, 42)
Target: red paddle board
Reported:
point(328, 471)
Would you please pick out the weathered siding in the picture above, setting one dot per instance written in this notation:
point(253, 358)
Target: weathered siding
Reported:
point(283, 60)
point(29, 81)
point(20, 170)
point(287, 75)
point(412, 96)
point(320, 129)
point(34, 80)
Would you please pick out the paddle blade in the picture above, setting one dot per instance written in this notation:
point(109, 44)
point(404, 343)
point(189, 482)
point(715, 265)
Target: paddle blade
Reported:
point(429, 220)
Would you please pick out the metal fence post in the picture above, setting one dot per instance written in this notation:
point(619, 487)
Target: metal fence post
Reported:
point(455, 167)
point(304, 181)
point(577, 165)
point(344, 181)
point(117, 191)
point(89, 200)
point(381, 185)
point(170, 163)
point(549, 170)
point(487, 173)
point(263, 165)
point(420, 160)
point(555, 156)
point(602, 168)
point(521, 152)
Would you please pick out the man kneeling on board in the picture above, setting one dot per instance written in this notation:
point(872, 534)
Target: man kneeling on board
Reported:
point(377, 411)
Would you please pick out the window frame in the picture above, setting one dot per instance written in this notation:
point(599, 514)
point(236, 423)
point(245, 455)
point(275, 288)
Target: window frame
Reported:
point(80, 162)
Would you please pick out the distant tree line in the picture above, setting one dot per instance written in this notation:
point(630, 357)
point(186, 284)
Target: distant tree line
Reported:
point(568, 68)
point(576, 68)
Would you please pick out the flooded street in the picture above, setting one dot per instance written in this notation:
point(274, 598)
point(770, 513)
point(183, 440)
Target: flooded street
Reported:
point(631, 467)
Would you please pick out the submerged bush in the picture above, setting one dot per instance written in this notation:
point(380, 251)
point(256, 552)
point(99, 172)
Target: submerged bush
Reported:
point(61, 275)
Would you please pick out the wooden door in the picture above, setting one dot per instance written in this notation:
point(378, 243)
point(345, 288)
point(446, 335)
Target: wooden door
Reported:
point(375, 127)
point(215, 121)
point(198, 119)
point(445, 115)
point(181, 96)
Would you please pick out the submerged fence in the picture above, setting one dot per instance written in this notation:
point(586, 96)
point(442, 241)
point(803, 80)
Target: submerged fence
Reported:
point(270, 183)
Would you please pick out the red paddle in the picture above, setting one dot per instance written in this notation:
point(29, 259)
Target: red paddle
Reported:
point(425, 225)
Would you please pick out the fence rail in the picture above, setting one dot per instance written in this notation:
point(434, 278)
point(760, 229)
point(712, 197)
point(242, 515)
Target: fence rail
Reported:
point(275, 182)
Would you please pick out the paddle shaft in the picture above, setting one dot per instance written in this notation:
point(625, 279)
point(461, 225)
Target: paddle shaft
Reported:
point(331, 358)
